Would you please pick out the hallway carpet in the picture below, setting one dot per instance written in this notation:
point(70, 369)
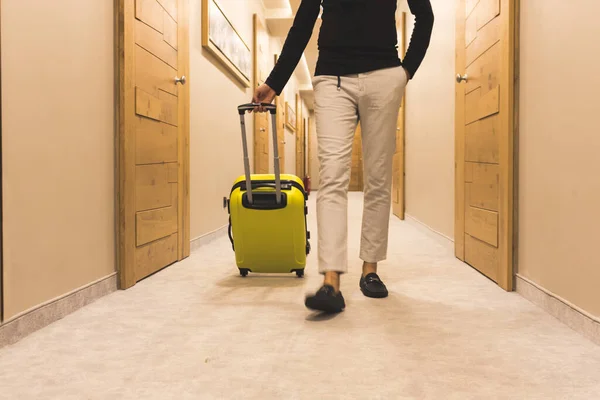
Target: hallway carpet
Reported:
point(198, 331)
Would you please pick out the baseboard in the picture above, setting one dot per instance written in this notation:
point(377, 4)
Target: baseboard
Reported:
point(43, 315)
point(429, 231)
point(567, 313)
point(209, 237)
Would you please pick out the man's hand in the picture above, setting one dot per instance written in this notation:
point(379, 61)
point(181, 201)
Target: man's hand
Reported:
point(263, 94)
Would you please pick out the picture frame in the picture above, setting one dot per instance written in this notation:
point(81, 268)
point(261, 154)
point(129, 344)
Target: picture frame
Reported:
point(222, 40)
point(290, 117)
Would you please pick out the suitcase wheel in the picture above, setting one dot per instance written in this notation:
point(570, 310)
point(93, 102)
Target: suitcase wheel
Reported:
point(300, 273)
point(244, 272)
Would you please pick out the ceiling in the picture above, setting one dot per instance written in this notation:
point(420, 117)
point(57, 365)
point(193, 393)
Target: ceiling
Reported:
point(280, 17)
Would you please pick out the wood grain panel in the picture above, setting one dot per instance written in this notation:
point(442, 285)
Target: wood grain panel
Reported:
point(155, 142)
point(280, 119)
point(487, 10)
point(481, 140)
point(156, 224)
point(153, 41)
point(170, 6)
point(169, 110)
point(484, 73)
point(396, 178)
point(471, 29)
point(482, 224)
point(173, 172)
point(151, 13)
point(483, 180)
point(152, 187)
point(400, 130)
point(489, 104)
point(170, 31)
point(478, 107)
point(162, 108)
point(261, 143)
point(482, 257)
point(356, 169)
point(470, 6)
point(299, 138)
point(486, 38)
point(155, 256)
point(147, 105)
point(152, 74)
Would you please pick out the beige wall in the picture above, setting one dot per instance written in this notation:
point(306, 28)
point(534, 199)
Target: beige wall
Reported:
point(430, 127)
point(559, 178)
point(58, 148)
point(215, 142)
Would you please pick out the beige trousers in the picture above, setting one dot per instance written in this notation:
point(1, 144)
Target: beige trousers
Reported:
point(373, 98)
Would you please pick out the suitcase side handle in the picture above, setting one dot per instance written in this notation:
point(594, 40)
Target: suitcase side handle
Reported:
point(272, 110)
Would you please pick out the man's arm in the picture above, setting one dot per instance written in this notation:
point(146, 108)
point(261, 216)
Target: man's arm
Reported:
point(419, 41)
point(295, 43)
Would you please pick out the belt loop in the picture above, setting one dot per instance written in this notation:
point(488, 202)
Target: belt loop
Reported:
point(339, 85)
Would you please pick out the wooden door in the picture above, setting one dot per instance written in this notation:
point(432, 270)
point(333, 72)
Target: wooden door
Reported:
point(484, 137)
point(1, 191)
point(309, 153)
point(398, 168)
point(307, 127)
point(356, 169)
point(261, 120)
point(299, 139)
point(280, 103)
point(398, 174)
point(154, 136)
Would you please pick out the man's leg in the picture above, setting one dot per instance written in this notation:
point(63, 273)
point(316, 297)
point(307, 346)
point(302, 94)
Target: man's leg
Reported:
point(378, 109)
point(336, 116)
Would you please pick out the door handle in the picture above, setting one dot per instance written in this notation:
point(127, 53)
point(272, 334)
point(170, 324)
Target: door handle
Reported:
point(462, 78)
point(181, 80)
point(263, 130)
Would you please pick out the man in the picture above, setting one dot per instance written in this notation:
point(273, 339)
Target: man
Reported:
point(358, 77)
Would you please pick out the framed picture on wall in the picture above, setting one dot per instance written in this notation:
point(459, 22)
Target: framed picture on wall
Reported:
point(220, 38)
point(290, 117)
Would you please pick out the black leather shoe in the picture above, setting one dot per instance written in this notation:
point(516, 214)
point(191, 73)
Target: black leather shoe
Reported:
point(326, 300)
point(372, 286)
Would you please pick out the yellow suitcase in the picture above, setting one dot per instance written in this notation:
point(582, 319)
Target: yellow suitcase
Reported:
point(267, 224)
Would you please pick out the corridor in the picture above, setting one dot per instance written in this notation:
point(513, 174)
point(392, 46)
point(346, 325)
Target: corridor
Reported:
point(197, 330)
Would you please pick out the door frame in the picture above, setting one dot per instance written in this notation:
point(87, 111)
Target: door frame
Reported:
point(308, 144)
point(125, 144)
point(257, 25)
point(508, 145)
point(1, 190)
point(280, 122)
point(299, 132)
point(400, 211)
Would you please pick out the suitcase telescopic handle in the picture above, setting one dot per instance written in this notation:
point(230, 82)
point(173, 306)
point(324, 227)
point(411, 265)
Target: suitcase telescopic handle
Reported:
point(251, 106)
point(273, 111)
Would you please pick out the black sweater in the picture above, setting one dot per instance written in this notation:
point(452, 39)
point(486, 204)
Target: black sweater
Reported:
point(356, 36)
